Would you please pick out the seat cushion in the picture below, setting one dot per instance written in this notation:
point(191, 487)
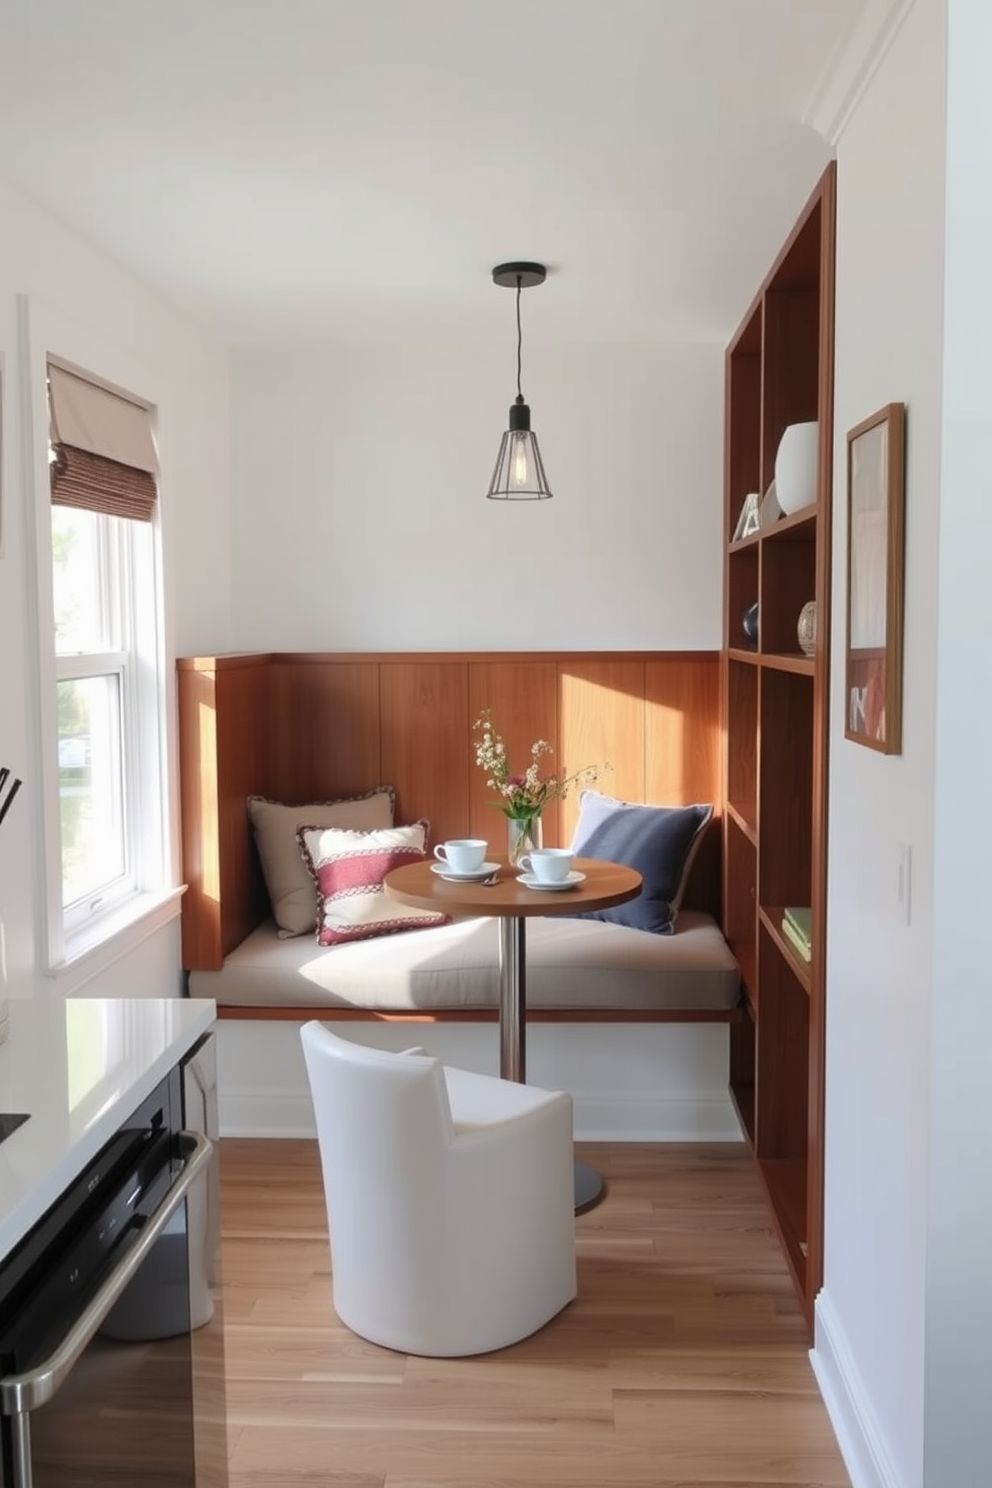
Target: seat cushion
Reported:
point(571, 963)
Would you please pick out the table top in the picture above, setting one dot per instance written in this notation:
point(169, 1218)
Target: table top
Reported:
point(605, 884)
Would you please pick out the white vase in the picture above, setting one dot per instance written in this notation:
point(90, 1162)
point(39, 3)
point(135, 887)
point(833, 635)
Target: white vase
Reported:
point(796, 467)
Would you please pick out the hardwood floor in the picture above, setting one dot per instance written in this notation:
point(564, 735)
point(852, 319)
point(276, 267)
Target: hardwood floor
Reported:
point(683, 1360)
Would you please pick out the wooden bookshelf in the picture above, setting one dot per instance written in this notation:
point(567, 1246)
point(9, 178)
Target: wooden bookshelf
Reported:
point(779, 371)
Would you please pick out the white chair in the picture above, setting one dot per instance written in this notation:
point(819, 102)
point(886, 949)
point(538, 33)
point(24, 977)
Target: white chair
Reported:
point(450, 1198)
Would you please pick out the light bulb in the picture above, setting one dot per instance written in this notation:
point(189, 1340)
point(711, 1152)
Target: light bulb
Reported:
point(518, 460)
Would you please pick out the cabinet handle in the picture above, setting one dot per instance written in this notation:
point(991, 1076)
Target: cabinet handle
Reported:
point(26, 1392)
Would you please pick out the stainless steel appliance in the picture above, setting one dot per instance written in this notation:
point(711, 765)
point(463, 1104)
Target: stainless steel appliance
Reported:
point(111, 1336)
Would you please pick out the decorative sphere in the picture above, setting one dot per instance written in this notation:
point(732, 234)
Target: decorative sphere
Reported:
point(806, 628)
point(749, 624)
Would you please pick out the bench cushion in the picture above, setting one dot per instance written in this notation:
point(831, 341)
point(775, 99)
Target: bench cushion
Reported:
point(571, 964)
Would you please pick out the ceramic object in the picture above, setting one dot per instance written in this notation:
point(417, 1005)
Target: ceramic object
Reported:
point(749, 624)
point(770, 509)
point(796, 467)
point(806, 628)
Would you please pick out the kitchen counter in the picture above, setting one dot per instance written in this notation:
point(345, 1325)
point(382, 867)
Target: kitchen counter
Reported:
point(78, 1068)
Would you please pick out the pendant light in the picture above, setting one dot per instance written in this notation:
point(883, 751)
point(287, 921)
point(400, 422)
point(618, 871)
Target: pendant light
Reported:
point(519, 473)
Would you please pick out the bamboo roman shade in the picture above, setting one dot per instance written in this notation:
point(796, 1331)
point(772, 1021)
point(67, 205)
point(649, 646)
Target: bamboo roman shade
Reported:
point(105, 456)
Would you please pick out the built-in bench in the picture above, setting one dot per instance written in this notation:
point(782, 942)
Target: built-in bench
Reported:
point(298, 728)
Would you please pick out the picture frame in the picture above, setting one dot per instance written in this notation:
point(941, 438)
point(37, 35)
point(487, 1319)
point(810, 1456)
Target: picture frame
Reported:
point(875, 528)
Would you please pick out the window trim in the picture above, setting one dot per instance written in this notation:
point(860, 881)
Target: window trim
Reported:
point(45, 333)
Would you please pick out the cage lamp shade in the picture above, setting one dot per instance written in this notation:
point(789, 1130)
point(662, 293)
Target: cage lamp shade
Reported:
point(519, 473)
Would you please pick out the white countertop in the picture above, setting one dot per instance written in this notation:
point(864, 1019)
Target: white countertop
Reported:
point(79, 1067)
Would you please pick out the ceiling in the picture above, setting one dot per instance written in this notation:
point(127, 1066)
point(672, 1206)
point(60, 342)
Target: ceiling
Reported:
point(308, 169)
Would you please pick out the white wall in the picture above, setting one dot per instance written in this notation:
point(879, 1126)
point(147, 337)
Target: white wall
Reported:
point(362, 523)
point(958, 1372)
point(871, 1322)
point(79, 285)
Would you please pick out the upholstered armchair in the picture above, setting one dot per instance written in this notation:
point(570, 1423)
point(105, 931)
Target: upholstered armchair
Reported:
point(449, 1198)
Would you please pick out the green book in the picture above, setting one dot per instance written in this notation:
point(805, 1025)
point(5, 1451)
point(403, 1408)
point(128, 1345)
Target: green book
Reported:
point(800, 946)
point(800, 919)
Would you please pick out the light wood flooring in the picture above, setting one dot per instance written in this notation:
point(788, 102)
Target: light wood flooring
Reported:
point(683, 1360)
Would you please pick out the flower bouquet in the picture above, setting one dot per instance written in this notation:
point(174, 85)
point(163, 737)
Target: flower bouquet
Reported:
point(522, 797)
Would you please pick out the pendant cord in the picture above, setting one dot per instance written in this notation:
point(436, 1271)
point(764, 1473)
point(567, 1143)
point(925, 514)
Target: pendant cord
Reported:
point(520, 396)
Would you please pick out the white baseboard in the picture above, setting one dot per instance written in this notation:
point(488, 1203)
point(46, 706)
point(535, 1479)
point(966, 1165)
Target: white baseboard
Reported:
point(631, 1118)
point(629, 1082)
point(864, 1454)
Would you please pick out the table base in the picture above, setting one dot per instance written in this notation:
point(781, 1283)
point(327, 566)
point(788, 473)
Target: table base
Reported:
point(589, 1187)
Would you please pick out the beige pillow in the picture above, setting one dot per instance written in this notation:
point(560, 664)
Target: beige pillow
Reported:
point(292, 891)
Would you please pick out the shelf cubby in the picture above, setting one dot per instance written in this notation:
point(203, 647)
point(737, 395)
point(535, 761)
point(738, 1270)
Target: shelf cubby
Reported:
point(742, 727)
point(786, 789)
point(788, 581)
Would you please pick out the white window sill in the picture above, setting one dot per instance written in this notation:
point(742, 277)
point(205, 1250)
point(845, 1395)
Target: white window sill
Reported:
point(92, 950)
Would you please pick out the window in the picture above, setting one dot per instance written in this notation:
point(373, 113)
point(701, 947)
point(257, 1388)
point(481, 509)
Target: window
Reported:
point(107, 744)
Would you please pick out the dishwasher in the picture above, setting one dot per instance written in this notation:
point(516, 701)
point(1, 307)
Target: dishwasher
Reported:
point(111, 1338)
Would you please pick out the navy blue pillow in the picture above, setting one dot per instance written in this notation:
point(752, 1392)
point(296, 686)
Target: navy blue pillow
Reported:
point(657, 841)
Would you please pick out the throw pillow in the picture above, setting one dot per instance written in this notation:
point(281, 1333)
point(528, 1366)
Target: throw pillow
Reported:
point(659, 842)
point(348, 869)
point(289, 884)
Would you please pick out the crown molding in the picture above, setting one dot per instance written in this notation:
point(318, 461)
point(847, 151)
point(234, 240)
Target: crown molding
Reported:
point(852, 66)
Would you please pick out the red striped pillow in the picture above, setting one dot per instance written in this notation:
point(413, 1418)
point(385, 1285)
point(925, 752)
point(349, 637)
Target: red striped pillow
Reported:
point(348, 869)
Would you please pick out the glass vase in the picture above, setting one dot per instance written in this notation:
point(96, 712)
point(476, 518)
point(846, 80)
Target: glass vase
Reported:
point(523, 836)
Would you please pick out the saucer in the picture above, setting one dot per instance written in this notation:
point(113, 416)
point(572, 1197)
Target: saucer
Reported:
point(530, 882)
point(443, 871)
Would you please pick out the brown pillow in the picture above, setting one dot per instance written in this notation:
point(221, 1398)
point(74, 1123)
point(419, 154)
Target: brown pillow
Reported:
point(291, 888)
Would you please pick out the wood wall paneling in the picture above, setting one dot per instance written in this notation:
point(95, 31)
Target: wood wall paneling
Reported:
point(246, 734)
point(425, 725)
point(683, 739)
point(523, 698)
point(601, 721)
point(336, 738)
point(198, 814)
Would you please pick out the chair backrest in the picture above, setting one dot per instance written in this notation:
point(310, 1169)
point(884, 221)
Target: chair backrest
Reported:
point(383, 1127)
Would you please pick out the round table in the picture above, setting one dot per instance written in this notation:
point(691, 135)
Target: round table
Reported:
point(513, 903)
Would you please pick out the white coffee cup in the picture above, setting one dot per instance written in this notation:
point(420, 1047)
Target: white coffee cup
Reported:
point(463, 854)
point(548, 864)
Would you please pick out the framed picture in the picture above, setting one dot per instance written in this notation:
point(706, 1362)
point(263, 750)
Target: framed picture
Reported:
point(875, 502)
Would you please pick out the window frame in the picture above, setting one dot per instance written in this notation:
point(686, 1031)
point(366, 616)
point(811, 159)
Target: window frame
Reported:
point(70, 951)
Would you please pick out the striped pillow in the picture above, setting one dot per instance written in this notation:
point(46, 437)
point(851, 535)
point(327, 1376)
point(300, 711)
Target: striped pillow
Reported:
point(348, 869)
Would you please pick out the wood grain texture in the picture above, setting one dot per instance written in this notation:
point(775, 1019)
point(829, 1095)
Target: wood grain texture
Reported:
point(602, 722)
point(523, 698)
point(336, 742)
point(683, 1359)
point(425, 756)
